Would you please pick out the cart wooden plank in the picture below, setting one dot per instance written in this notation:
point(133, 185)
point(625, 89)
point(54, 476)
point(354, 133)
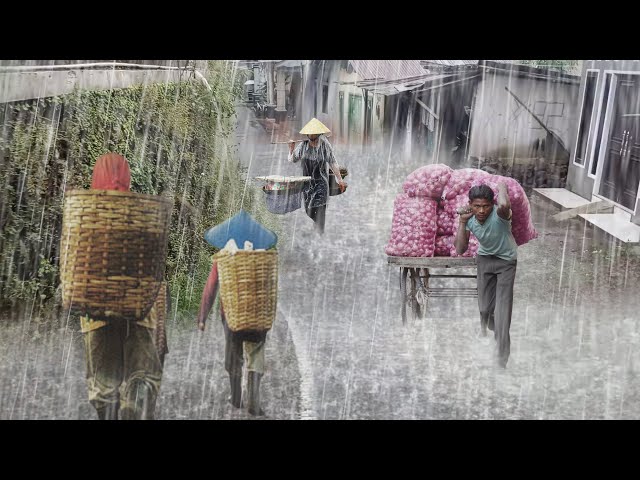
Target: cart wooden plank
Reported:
point(431, 262)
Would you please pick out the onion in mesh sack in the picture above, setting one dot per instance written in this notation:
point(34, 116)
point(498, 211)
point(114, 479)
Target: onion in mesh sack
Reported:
point(413, 228)
point(472, 248)
point(428, 181)
point(443, 245)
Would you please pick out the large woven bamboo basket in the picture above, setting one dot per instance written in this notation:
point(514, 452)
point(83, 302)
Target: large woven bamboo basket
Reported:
point(112, 253)
point(248, 288)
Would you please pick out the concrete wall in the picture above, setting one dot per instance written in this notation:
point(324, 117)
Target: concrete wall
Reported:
point(165, 63)
point(579, 182)
point(504, 129)
point(28, 79)
point(16, 86)
point(635, 217)
point(506, 137)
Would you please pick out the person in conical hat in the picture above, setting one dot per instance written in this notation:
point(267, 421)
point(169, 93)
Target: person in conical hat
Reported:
point(316, 155)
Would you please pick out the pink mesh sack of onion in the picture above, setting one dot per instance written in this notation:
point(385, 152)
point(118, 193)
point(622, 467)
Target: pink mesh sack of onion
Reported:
point(443, 245)
point(428, 181)
point(446, 222)
point(521, 224)
point(450, 211)
point(472, 248)
point(461, 181)
point(413, 229)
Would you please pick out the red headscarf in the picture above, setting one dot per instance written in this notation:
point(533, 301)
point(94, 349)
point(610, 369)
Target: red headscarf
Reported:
point(111, 172)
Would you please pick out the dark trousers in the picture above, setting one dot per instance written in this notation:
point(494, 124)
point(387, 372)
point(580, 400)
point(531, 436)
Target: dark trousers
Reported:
point(123, 352)
point(236, 344)
point(495, 298)
point(317, 214)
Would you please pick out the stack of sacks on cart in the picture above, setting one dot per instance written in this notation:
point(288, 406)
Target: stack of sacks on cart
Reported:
point(425, 220)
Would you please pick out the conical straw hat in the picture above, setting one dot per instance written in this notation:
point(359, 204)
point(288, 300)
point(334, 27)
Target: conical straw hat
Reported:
point(314, 127)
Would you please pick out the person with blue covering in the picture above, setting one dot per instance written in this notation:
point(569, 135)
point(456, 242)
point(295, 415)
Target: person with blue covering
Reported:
point(241, 228)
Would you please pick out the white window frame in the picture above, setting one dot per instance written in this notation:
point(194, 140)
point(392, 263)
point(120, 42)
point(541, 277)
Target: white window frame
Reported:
point(589, 151)
point(599, 94)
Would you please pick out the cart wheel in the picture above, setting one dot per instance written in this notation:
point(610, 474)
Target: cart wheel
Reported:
point(415, 284)
point(403, 293)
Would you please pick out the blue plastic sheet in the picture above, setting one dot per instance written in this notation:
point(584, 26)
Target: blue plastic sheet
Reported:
point(241, 227)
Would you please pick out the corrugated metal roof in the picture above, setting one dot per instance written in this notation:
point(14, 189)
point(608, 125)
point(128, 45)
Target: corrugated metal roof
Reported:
point(395, 87)
point(392, 88)
point(450, 63)
point(388, 70)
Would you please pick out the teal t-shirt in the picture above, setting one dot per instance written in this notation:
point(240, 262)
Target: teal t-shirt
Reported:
point(494, 236)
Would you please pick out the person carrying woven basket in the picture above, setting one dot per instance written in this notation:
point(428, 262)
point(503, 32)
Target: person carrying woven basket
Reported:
point(121, 354)
point(241, 228)
point(316, 155)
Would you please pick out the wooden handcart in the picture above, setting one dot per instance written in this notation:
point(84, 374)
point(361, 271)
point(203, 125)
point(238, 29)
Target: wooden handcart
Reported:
point(415, 276)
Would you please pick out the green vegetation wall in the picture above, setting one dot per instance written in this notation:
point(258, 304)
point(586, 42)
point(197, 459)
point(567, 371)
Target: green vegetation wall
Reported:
point(180, 143)
point(566, 66)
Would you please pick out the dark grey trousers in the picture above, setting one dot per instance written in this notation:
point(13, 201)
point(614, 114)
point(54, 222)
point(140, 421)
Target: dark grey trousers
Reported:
point(235, 345)
point(318, 214)
point(495, 298)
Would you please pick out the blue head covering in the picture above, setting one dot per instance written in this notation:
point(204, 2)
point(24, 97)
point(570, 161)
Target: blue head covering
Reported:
point(241, 227)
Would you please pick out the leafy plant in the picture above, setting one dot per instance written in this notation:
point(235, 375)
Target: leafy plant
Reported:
point(565, 66)
point(178, 139)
